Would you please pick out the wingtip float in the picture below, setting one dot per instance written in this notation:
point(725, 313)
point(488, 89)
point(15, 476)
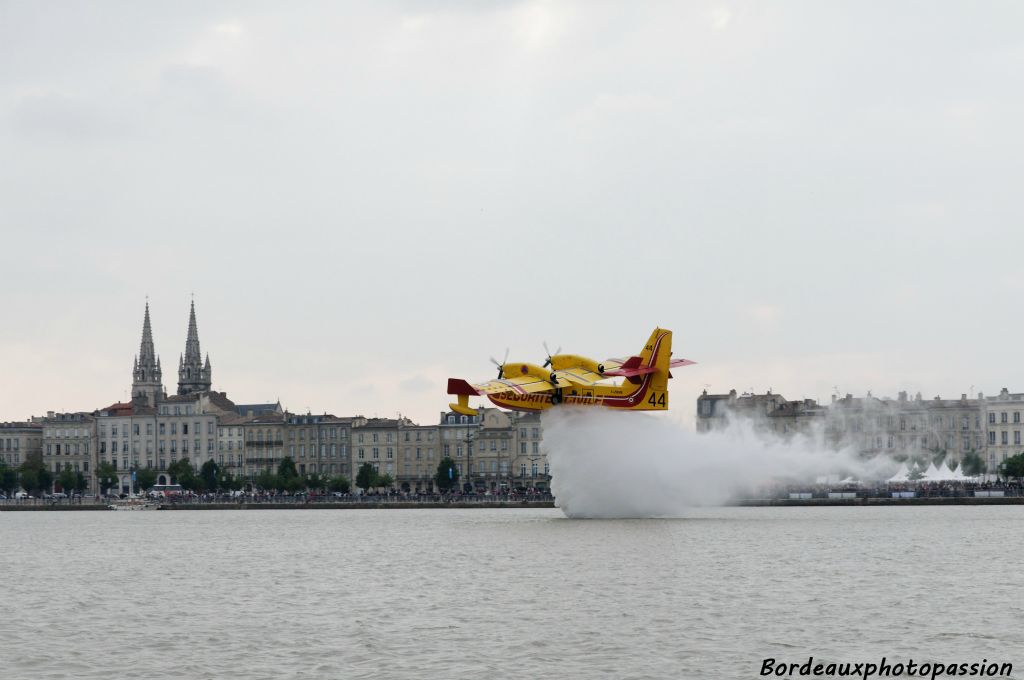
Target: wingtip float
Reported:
point(577, 380)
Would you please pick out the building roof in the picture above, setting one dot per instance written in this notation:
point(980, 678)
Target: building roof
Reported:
point(234, 419)
point(181, 398)
point(221, 401)
point(22, 426)
point(382, 423)
point(258, 409)
point(265, 419)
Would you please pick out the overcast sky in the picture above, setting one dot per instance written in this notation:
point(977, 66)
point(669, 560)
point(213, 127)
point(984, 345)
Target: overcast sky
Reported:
point(367, 198)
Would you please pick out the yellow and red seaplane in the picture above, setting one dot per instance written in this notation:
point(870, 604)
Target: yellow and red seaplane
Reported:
point(579, 381)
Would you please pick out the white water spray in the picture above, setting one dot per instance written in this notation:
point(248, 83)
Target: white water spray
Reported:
point(609, 464)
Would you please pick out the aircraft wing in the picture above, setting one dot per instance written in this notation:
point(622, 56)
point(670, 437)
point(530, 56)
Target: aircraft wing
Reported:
point(577, 375)
point(520, 384)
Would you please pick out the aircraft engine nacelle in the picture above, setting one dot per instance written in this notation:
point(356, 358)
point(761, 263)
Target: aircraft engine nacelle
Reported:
point(513, 370)
point(563, 361)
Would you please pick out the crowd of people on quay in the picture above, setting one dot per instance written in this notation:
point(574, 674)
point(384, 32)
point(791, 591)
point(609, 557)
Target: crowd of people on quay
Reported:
point(922, 489)
point(374, 497)
point(297, 498)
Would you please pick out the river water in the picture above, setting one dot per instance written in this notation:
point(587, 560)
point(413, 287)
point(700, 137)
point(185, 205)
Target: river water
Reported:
point(503, 593)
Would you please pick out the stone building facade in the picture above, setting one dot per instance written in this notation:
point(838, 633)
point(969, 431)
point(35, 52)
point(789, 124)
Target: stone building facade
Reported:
point(1003, 427)
point(69, 441)
point(990, 427)
point(20, 440)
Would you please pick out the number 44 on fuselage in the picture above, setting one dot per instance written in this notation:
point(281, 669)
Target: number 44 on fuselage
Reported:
point(579, 381)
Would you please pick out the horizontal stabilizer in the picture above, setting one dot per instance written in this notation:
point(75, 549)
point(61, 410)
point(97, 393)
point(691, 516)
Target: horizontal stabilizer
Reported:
point(631, 369)
point(460, 386)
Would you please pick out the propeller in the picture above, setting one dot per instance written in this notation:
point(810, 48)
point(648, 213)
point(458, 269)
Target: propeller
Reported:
point(547, 362)
point(501, 366)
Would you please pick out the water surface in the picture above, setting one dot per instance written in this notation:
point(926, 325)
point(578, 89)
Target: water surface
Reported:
point(499, 593)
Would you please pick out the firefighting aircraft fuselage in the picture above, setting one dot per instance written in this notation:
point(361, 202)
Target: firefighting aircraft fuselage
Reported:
point(579, 381)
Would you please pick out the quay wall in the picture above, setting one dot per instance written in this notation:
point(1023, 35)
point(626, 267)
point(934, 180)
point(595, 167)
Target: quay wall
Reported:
point(876, 502)
point(32, 507)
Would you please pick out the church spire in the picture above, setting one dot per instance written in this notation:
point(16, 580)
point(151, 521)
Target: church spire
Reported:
point(146, 351)
point(192, 375)
point(146, 374)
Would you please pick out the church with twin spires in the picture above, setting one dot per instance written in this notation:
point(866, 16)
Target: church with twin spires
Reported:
point(194, 374)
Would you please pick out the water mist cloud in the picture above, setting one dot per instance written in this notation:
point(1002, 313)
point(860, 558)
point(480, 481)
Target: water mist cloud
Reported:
point(608, 464)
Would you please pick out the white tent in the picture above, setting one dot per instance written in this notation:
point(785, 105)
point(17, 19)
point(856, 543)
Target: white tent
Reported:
point(958, 474)
point(938, 474)
point(902, 475)
point(931, 474)
point(944, 474)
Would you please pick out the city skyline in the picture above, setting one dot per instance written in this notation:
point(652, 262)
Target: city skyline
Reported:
point(683, 409)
